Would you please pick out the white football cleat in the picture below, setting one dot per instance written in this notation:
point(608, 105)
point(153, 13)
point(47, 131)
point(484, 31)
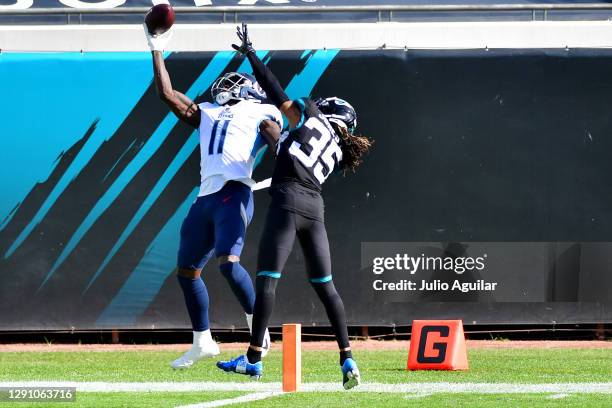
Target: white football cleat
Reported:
point(265, 347)
point(203, 347)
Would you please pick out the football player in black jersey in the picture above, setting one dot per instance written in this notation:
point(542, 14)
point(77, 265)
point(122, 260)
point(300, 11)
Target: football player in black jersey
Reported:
point(319, 140)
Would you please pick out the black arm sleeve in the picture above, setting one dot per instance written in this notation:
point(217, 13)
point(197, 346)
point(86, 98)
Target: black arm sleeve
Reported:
point(267, 80)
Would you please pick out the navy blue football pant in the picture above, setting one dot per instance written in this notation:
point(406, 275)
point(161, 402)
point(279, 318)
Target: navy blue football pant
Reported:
point(216, 225)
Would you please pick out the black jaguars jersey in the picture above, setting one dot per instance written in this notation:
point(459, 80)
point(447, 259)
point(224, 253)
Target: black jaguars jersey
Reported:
point(309, 153)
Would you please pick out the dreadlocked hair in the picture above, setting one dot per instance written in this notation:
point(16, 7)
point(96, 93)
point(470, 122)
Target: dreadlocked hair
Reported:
point(353, 149)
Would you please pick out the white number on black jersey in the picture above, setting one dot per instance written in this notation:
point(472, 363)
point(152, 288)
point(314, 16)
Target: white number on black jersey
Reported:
point(322, 150)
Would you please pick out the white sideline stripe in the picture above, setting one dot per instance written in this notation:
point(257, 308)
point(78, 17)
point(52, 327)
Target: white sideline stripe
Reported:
point(558, 396)
point(418, 395)
point(245, 398)
point(419, 388)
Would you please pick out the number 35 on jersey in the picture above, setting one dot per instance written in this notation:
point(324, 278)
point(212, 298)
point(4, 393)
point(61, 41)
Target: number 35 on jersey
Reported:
point(325, 151)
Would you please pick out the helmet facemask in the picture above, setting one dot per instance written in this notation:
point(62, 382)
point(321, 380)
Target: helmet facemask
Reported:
point(236, 86)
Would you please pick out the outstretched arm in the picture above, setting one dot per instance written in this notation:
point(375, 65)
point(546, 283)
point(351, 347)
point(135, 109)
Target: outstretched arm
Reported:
point(267, 80)
point(183, 107)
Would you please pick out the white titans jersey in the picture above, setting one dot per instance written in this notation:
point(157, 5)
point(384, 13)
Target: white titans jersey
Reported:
point(230, 142)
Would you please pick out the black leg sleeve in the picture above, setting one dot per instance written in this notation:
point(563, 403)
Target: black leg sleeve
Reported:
point(335, 311)
point(267, 80)
point(314, 242)
point(265, 296)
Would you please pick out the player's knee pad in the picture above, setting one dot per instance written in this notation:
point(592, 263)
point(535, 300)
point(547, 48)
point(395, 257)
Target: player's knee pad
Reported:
point(188, 273)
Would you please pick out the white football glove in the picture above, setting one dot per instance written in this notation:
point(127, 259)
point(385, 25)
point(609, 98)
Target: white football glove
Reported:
point(158, 42)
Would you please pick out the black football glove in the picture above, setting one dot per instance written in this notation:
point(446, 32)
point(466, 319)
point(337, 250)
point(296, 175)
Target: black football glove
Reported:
point(243, 35)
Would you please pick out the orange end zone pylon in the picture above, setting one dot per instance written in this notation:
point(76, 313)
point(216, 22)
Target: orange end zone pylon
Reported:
point(292, 357)
point(437, 345)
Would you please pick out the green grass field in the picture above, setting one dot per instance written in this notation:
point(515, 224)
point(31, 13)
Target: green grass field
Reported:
point(487, 366)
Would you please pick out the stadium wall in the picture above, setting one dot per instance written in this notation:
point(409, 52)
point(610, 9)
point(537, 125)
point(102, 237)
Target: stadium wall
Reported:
point(490, 165)
point(219, 37)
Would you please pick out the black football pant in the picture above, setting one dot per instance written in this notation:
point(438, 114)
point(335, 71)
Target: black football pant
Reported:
point(281, 228)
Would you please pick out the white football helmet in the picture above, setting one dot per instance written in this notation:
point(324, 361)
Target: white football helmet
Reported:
point(236, 86)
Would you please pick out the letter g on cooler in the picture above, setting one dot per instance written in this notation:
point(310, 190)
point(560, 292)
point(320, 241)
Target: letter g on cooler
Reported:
point(437, 345)
point(424, 356)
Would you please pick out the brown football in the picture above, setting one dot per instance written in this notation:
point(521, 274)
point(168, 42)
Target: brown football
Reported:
point(159, 19)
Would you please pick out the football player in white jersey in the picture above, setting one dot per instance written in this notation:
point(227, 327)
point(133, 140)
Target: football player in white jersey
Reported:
point(232, 131)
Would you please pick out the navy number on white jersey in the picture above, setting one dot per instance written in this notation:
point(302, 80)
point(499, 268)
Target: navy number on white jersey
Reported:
point(219, 128)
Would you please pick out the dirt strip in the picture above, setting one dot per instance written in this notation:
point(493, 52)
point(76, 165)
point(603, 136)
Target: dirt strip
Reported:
point(315, 345)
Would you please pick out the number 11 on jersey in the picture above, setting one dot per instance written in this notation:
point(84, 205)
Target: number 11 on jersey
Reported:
point(219, 128)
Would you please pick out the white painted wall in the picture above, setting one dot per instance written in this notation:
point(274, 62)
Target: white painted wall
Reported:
point(217, 37)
